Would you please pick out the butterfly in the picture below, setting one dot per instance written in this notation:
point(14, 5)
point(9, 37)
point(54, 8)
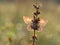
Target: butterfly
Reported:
point(28, 21)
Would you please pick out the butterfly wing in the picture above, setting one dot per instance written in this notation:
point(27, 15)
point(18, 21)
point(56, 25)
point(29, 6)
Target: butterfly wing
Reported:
point(42, 24)
point(27, 19)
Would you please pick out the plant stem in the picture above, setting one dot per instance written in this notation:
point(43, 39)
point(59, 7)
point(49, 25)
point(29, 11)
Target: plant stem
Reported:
point(34, 38)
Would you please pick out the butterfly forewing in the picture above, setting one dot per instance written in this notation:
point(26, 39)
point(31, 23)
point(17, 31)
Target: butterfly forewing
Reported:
point(27, 20)
point(42, 24)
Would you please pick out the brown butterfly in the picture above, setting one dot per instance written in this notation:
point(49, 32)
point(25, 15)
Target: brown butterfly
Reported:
point(28, 21)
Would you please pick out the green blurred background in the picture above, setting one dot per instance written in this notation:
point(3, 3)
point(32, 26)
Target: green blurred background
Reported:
point(12, 24)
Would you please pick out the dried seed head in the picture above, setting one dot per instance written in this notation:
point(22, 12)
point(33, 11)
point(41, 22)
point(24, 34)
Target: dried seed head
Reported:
point(36, 7)
point(10, 39)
